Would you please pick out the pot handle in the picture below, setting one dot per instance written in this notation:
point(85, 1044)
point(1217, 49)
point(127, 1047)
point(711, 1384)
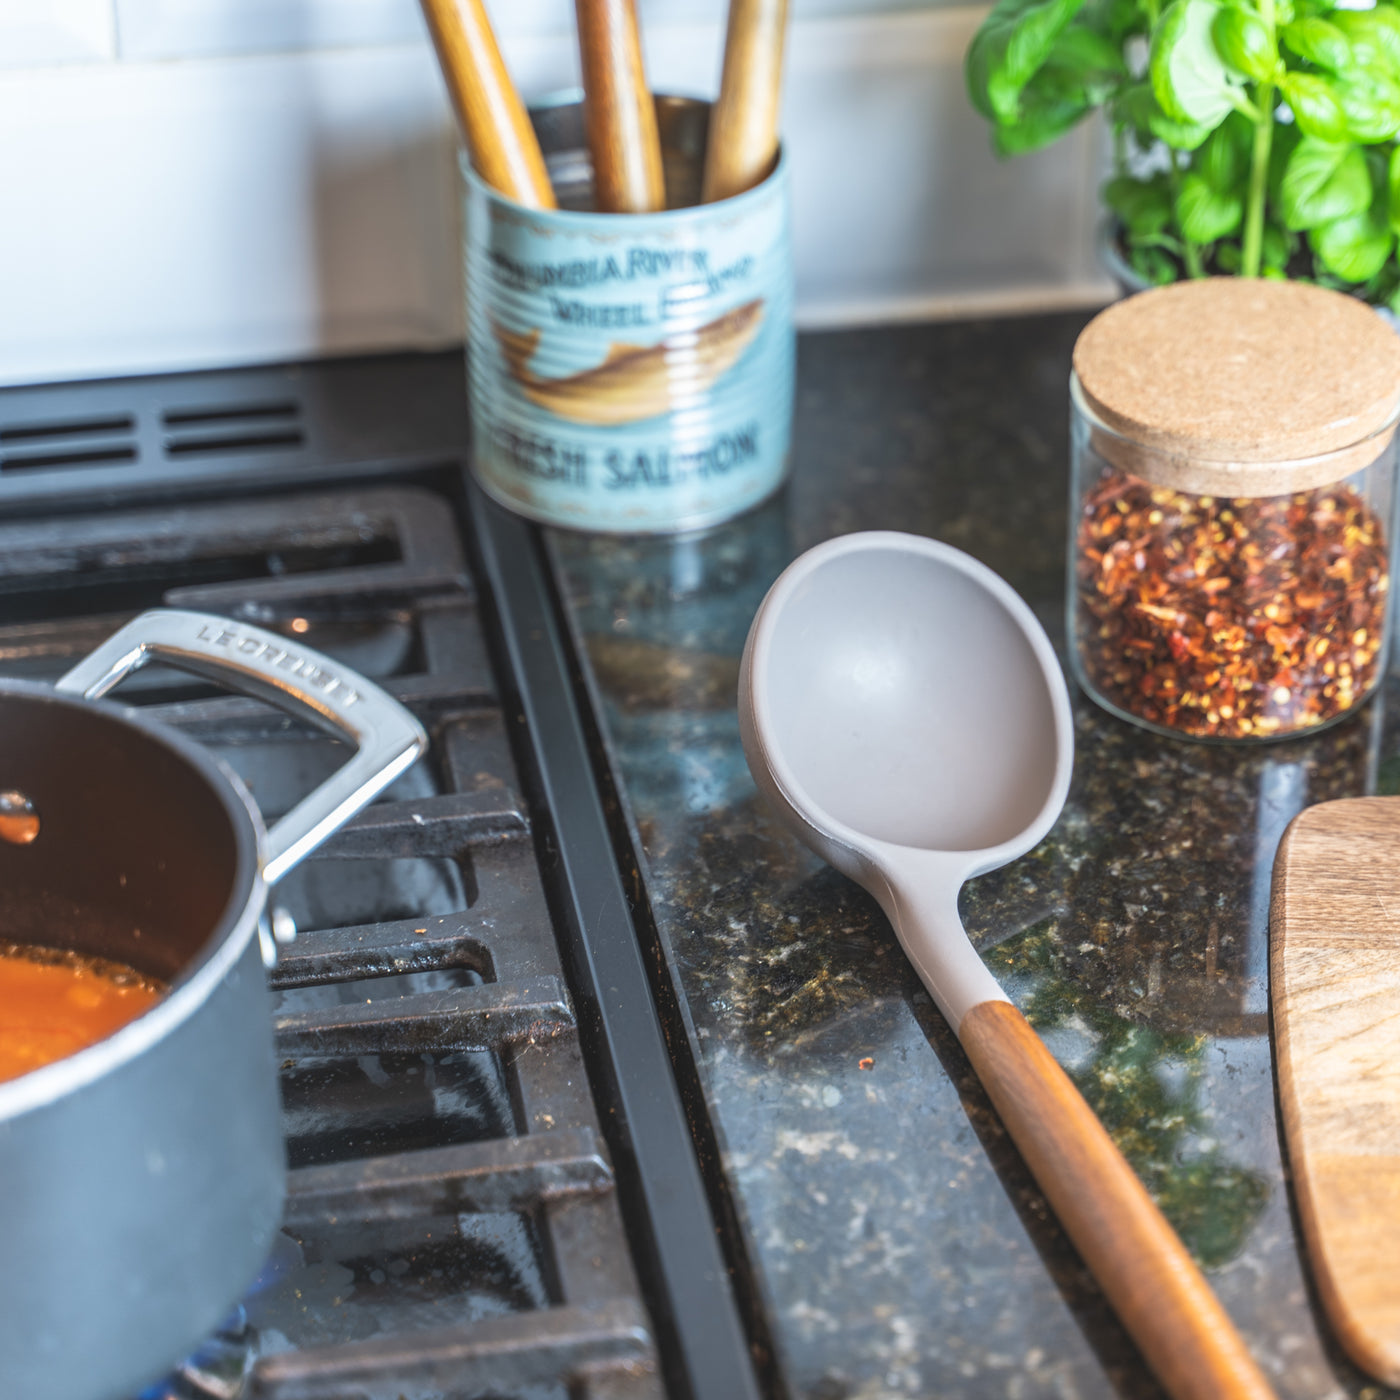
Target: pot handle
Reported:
point(387, 737)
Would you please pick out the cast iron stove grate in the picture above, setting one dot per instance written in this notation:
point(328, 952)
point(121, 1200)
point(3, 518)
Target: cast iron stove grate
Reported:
point(453, 1224)
point(447, 1029)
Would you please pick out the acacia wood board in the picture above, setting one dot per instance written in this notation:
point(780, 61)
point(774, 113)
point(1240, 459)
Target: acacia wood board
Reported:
point(1335, 986)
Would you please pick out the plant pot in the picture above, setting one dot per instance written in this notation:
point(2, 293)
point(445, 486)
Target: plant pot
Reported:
point(1108, 245)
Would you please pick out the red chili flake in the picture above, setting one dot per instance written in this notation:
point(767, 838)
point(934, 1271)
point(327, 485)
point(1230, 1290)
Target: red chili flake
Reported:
point(1230, 618)
point(867, 1063)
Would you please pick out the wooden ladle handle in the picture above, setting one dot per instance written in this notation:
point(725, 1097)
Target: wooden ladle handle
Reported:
point(623, 140)
point(619, 112)
point(743, 139)
point(500, 140)
point(1159, 1294)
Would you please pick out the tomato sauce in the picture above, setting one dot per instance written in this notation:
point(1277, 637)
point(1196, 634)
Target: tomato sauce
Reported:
point(54, 1003)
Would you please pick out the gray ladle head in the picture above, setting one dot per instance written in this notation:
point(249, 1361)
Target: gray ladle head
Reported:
point(904, 710)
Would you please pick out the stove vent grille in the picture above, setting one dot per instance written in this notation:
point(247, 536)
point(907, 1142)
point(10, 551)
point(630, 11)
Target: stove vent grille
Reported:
point(241, 427)
point(71, 442)
point(97, 443)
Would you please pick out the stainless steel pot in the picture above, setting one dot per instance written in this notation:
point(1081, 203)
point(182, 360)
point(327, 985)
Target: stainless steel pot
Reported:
point(141, 1180)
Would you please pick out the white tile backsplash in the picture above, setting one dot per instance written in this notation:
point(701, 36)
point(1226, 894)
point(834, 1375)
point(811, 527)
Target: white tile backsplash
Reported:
point(35, 33)
point(557, 16)
point(203, 28)
point(210, 206)
point(197, 213)
point(900, 208)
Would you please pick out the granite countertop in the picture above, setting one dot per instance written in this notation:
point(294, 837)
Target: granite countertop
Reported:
point(899, 1244)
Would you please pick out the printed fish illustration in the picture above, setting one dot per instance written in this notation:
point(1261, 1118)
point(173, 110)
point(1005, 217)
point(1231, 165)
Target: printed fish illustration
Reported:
point(635, 381)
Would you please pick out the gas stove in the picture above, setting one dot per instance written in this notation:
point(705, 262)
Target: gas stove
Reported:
point(493, 1187)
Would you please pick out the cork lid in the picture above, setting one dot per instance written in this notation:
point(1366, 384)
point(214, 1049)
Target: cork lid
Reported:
point(1238, 386)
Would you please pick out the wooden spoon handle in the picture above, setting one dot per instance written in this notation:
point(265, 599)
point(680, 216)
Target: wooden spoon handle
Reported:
point(500, 139)
point(618, 109)
point(744, 123)
point(1143, 1268)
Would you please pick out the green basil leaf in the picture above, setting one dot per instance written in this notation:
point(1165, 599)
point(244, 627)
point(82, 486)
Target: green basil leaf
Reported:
point(1243, 40)
point(1008, 50)
point(1169, 241)
point(1377, 167)
point(1354, 248)
point(1087, 62)
point(1371, 103)
point(1384, 284)
point(1189, 78)
point(1205, 214)
point(1132, 108)
point(1393, 189)
point(1285, 142)
point(1116, 18)
point(1077, 77)
point(1374, 36)
point(1224, 159)
point(1277, 246)
point(1144, 206)
point(1315, 106)
point(1089, 51)
point(1153, 265)
point(1228, 257)
point(1323, 183)
point(1039, 124)
point(1180, 136)
point(1137, 108)
point(1314, 39)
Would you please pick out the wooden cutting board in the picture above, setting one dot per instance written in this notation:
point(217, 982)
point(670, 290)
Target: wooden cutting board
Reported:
point(1335, 986)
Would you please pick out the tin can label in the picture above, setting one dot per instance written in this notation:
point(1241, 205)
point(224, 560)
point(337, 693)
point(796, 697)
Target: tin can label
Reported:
point(630, 372)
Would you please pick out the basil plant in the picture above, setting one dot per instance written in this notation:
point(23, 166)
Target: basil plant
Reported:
point(1250, 136)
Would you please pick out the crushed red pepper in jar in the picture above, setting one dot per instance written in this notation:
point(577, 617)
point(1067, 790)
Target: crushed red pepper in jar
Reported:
point(1229, 619)
point(1233, 471)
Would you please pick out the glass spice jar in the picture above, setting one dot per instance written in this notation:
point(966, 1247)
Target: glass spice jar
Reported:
point(1232, 507)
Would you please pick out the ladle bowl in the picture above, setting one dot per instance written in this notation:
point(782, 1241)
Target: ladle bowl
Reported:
point(905, 713)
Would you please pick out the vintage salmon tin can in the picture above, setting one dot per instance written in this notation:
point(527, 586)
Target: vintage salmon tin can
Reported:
point(629, 372)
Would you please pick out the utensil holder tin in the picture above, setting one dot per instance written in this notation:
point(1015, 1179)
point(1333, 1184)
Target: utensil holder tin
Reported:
point(629, 372)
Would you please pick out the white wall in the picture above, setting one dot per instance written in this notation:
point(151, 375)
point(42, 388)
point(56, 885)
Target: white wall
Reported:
point(197, 182)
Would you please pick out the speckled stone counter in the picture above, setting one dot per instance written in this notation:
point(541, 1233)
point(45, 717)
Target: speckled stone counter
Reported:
point(899, 1244)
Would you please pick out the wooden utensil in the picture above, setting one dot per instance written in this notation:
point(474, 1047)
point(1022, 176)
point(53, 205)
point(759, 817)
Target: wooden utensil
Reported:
point(903, 711)
point(744, 124)
point(1335, 986)
point(618, 109)
point(499, 137)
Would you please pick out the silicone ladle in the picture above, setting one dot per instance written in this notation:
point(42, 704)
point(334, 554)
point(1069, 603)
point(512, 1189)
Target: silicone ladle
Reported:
point(903, 710)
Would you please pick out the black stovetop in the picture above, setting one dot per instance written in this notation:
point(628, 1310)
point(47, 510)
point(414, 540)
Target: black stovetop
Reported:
point(493, 1189)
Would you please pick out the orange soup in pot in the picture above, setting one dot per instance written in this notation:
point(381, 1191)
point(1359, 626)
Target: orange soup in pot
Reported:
point(54, 1003)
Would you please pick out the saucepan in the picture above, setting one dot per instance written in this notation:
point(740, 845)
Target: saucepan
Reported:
point(142, 1179)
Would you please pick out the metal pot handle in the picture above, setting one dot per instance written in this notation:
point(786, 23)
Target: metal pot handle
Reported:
point(388, 738)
